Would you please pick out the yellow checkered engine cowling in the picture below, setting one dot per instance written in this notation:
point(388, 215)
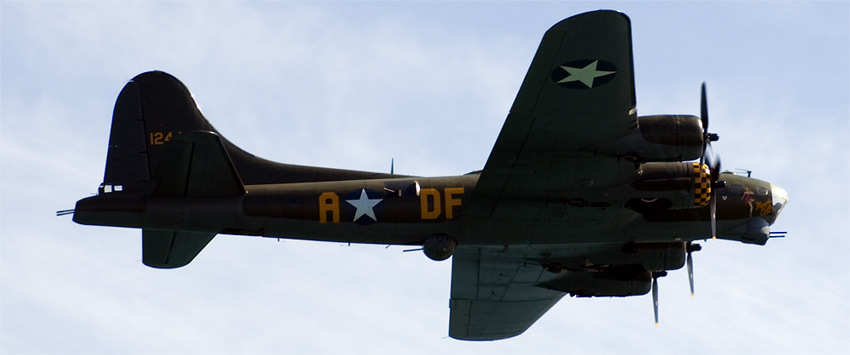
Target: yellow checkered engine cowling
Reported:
point(702, 184)
point(685, 185)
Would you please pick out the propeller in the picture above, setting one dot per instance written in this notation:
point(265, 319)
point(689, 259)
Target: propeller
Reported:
point(714, 174)
point(707, 137)
point(691, 247)
point(712, 202)
point(714, 163)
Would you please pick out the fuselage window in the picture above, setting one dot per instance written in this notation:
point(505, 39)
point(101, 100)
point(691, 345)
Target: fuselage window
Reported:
point(762, 191)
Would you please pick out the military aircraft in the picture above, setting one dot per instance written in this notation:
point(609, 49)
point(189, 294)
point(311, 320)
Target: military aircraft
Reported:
point(579, 196)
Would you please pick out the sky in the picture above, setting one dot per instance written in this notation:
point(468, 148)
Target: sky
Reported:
point(427, 84)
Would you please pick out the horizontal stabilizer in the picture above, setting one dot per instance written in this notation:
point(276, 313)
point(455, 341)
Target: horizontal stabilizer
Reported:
point(196, 165)
point(172, 249)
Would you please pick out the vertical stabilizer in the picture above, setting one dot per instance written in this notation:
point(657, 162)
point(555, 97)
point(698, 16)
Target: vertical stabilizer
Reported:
point(155, 107)
point(152, 109)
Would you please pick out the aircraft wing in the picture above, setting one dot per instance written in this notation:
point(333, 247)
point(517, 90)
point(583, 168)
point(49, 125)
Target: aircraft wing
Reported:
point(579, 91)
point(494, 294)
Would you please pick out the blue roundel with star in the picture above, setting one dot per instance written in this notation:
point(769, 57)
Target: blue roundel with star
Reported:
point(364, 206)
point(584, 74)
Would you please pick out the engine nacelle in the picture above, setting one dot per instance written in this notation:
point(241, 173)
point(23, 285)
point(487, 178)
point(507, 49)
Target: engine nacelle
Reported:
point(659, 138)
point(671, 186)
point(621, 281)
point(617, 273)
point(439, 247)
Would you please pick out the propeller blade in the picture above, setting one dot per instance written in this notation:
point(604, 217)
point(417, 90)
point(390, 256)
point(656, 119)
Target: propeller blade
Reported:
point(703, 115)
point(707, 138)
point(710, 155)
point(704, 110)
point(714, 166)
point(691, 272)
point(655, 297)
point(690, 247)
point(712, 202)
point(655, 276)
point(712, 206)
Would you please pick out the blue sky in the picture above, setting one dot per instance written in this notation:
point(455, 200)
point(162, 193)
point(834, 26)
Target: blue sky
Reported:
point(354, 85)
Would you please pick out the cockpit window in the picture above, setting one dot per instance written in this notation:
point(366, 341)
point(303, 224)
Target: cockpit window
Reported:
point(736, 190)
point(762, 191)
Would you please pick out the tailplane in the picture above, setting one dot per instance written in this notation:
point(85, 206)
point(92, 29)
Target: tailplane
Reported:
point(172, 249)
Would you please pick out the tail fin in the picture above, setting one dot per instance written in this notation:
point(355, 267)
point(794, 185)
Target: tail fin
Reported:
point(151, 109)
point(161, 145)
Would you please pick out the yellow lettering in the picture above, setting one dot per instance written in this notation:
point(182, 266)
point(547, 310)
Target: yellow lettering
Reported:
point(328, 202)
point(428, 213)
point(450, 201)
point(158, 138)
point(764, 208)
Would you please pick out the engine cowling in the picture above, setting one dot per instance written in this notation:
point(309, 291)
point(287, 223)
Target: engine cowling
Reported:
point(620, 281)
point(623, 272)
point(671, 186)
point(659, 138)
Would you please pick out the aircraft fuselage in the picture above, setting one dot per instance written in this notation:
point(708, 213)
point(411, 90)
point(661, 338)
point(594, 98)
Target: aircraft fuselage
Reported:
point(406, 210)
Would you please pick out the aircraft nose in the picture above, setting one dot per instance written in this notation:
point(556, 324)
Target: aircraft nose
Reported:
point(780, 198)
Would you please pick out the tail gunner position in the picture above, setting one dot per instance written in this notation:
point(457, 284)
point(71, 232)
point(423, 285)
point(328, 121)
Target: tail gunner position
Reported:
point(579, 196)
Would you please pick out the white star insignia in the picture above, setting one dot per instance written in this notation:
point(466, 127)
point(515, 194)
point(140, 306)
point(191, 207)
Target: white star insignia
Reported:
point(585, 75)
point(365, 206)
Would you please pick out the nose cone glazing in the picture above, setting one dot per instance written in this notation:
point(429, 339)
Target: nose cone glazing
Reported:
point(780, 198)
